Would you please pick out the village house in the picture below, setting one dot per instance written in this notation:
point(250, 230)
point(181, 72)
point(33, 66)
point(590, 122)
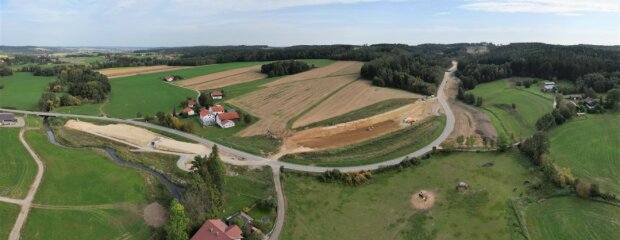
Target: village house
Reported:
point(590, 103)
point(215, 229)
point(188, 111)
point(217, 109)
point(217, 95)
point(169, 78)
point(7, 119)
point(548, 87)
point(207, 117)
point(225, 120)
point(191, 103)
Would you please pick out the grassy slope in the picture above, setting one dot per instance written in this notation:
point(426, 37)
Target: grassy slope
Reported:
point(91, 224)
point(380, 209)
point(22, 90)
point(244, 189)
point(572, 218)
point(498, 97)
point(74, 177)
point(18, 168)
point(375, 150)
point(368, 111)
point(590, 147)
point(8, 215)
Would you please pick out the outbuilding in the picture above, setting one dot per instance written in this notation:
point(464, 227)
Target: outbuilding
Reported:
point(7, 119)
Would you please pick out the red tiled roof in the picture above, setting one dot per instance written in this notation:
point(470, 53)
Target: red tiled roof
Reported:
point(186, 110)
point(228, 116)
point(216, 93)
point(215, 229)
point(217, 108)
point(203, 112)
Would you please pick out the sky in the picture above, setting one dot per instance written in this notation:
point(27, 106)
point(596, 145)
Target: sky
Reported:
point(166, 23)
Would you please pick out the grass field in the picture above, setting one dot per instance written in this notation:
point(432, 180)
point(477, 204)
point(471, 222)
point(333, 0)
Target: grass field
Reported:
point(244, 189)
point(498, 97)
point(8, 215)
point(83, 177)
point(381, 209)
point(85, 224)
point(22, 90)
point(369, 111)
point(572, 218)
point(18, 168)
point(590, 147)
point(375, 150)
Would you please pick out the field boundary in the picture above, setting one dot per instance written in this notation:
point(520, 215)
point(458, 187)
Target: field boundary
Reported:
point(520, 219)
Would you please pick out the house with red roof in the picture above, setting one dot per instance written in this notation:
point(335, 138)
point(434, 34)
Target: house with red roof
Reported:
point(226, 120)
point(188, 111)
point(217, 95)
point(217, 109)
point(215, 229)
point(206, 117)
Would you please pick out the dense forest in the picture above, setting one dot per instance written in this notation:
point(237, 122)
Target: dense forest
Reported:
point(80, 85)
point(281, 68)
point(415, 73)
point(586, 66)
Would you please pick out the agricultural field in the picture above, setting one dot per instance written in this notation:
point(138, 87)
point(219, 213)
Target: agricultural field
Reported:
point(130, 71)
point(22, 90)
point(590, 147)
point(8, 214)
point(378, 149)
point(355, 96)
point(18, 167)
point(364, 212)
point(572, 218)
point(498, 97)
point(224, 78)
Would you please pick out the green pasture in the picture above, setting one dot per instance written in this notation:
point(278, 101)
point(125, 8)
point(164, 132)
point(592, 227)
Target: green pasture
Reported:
point(22, 90)
point(18, 167)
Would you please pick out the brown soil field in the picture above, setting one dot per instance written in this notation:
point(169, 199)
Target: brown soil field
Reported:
point(468, 120)
point(355, 96)
point(276, 105)
point(343, 134)
point(130, 71)
point(335, 69)
point(224, 78)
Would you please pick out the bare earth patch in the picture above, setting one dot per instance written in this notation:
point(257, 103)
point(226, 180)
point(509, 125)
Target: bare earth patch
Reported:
point(469, 121)
point(155, 215)
point(130, 71)
point(355, 96)
point(423, 200)
point(360, 130)
point(224, 78)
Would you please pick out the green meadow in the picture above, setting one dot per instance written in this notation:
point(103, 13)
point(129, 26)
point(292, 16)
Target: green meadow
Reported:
point(22, 90)
point(381, 208)
point(498, 97)
point(590, 147)
point(18, 168)
point(8, 215)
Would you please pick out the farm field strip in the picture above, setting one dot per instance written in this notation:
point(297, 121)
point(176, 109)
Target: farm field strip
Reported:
point(18, 168)
point(355, 96)
point(218, 76)
point(130, 71)
point(336, 69)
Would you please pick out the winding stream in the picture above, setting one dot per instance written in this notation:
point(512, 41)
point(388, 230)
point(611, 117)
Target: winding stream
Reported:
point(111, 152)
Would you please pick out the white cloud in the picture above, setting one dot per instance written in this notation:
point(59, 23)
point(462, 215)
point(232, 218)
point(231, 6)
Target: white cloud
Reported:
point(562, 7)
point(441, 13)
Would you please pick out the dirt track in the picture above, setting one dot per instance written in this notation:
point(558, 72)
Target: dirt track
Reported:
point(355, 96)
point(224, 78)
point(130, 71)
point(469, 121)
point(357, 131)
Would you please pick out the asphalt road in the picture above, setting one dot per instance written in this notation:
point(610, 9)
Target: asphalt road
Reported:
point(258, 160)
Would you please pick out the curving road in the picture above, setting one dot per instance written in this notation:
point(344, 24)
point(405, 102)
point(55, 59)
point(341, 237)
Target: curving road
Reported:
point(258, 160)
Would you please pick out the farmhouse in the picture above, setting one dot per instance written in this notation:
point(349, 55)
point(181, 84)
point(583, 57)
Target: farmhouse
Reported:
point(215, 229)
point(548, 87)
point(168, 78)
point(217, 95)
point(188, 111)
point(217, 109)
point(207, 117)
point(225, 120)
point(7, 119)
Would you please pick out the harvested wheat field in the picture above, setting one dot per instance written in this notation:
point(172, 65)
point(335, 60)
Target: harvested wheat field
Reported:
point(469, 121)
point(139, 137)
point(225, 78)
point(361, 130)
point(276, 105)
point(130, 71)
point(355, 96)
point(335, 69)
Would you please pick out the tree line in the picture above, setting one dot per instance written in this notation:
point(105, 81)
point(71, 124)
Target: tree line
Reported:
point(281, 68)
point(415, 73)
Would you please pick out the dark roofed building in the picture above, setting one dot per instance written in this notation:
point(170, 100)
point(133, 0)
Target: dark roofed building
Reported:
point(7, 119)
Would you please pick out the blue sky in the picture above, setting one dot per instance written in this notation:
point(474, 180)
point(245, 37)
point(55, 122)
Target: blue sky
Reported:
point(151, 23)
